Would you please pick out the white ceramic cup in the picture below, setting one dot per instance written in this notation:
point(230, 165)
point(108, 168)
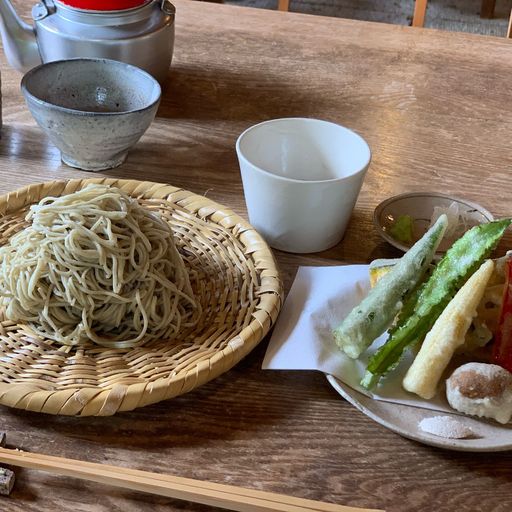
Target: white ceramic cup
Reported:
point(301, 180)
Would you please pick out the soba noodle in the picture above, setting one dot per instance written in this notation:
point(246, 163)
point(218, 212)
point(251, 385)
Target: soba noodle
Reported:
point(95, 265)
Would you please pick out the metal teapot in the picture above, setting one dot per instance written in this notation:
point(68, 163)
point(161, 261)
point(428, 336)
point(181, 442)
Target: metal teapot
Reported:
point(139, 32)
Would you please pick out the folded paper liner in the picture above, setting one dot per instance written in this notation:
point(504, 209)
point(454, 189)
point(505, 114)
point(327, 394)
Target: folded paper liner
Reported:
point(320, 298)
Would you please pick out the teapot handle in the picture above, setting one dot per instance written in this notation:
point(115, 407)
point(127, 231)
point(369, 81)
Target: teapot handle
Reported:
point(42, 9)
point(168, 8)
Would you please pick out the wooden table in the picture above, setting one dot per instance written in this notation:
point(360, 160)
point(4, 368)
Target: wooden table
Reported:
point(435, 108)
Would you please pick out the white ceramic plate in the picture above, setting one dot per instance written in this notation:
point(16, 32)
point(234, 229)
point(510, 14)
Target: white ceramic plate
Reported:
point(404, 420)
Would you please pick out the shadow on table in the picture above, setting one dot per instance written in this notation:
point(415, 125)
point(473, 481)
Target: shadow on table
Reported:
point(243, 403)
point(198, 93)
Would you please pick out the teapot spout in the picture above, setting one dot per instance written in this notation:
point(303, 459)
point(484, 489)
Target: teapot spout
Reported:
point(18, 38)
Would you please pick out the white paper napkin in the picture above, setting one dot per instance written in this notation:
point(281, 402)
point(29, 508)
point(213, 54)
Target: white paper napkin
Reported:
point(318, 301)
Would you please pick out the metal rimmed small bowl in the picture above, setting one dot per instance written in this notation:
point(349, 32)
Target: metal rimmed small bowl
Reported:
point(417, 209)
point(93, 110)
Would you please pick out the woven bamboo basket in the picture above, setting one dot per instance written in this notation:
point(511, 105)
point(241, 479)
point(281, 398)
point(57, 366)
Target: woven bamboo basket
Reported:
point(234, 277)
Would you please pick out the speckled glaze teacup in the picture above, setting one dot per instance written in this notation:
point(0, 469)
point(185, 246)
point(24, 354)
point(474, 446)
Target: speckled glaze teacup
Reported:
point(93, 110)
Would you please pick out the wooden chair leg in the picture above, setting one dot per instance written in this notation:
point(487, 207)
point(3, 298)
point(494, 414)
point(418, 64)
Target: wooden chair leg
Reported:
point(283, 5)
point(487, 8)
point(509, 31)
point(420, 8)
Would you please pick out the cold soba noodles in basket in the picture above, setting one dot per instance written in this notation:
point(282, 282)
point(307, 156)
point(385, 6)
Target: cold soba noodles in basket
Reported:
point(96, 265)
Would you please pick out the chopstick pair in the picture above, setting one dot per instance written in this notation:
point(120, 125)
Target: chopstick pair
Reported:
point(218, 495)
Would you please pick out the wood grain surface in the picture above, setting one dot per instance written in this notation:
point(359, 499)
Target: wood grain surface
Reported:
point(436, 109)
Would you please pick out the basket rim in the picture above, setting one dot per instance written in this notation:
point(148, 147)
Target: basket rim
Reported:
point(238, 346)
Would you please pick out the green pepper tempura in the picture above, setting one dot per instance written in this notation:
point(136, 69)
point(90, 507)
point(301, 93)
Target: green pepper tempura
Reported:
point(376, 312)
point(424, 307)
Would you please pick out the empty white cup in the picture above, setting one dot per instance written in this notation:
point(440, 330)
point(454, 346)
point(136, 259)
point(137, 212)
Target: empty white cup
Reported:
point(301, 180)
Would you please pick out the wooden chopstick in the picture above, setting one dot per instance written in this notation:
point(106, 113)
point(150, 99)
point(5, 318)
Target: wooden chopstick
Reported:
point(218, 495)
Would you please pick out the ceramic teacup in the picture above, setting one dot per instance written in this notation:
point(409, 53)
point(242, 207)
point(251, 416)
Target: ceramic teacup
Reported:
point(93, 110)
point(301, 180)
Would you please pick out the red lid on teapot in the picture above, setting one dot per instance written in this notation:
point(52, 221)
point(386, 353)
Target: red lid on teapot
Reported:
point(104, 5)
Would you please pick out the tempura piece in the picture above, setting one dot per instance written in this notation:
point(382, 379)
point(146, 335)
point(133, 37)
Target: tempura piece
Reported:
point(379, 268)
point(422, 309)
point(446, 335)
point(376, 312)
point(481, 389)
point(485, 322)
